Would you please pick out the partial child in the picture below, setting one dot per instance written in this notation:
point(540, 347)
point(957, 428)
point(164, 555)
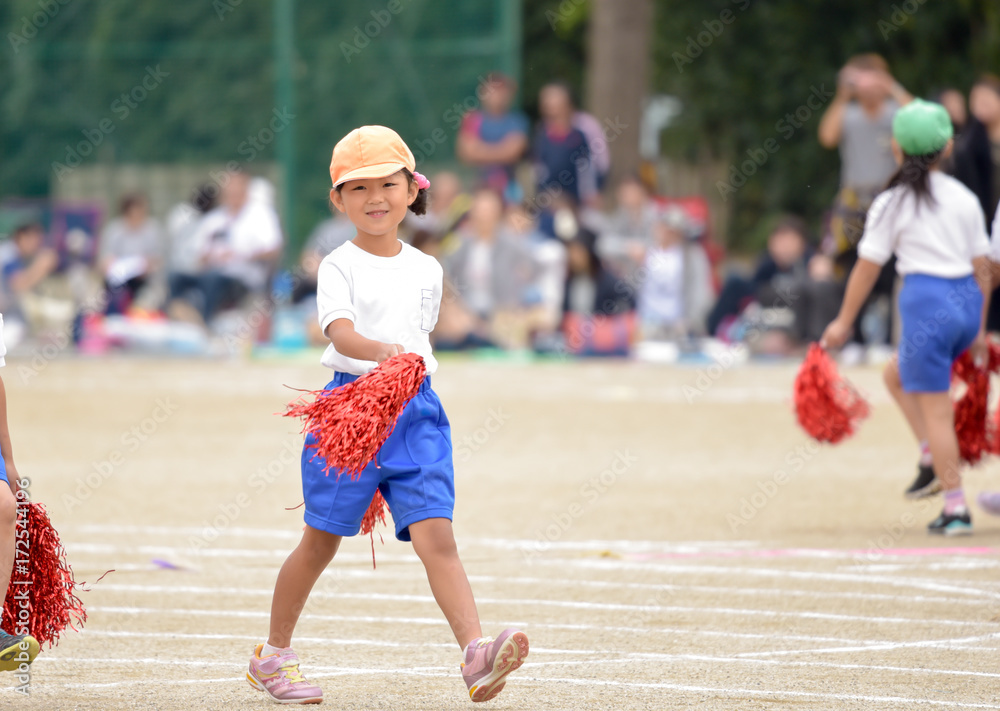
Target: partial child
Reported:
point(936, 228)
point(17, 647)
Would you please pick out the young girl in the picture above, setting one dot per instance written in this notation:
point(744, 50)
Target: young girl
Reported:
point(378, 297)
point(937, 230)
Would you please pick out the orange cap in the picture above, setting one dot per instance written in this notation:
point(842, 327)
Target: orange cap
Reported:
point(369, 152)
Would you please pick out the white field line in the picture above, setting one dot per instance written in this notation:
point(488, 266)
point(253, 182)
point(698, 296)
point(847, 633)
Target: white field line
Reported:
point(440, 622)
point(964, 588)
point(568, 604)
point(960, 587)
point(939, 644)
point(659, 587)
point(659, 686)
point(625, 656)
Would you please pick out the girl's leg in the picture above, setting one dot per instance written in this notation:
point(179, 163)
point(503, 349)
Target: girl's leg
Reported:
point(434, 543)
point(8, 530)
point(907, 401)
point(295, 581)
point(938, 415)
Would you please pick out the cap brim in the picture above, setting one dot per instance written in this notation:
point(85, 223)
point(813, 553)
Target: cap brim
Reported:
point(379, 170)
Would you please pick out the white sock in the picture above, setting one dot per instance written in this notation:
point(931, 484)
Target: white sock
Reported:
point(268, 650)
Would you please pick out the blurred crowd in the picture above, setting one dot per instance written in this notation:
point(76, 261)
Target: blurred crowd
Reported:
point(539, 251)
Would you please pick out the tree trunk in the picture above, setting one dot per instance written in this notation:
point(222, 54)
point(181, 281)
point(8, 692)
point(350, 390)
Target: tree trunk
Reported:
point(618, 62)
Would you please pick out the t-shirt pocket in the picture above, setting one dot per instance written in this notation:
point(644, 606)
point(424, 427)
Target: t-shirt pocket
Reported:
point(426, 310)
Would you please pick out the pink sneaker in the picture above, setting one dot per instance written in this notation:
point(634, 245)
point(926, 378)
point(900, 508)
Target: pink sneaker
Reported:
point(488, 662)
point(277, 675)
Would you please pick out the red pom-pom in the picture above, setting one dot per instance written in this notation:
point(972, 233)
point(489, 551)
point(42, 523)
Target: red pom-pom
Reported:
point(351, 423)
point(826, 405)
point(43, 575)
point(976, 436)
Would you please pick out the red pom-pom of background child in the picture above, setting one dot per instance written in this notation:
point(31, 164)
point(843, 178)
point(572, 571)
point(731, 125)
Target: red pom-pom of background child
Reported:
point(42, 581)
point(975, 433)
point(351, 423)
point(826, 405)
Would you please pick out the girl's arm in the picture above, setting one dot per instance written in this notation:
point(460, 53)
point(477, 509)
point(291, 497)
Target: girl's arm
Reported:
point(5, 448)
point(984, 269)
point(859, 286)
point(352, 344)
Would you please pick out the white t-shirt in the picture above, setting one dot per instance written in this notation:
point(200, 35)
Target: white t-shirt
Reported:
point(389, 299)
point(939, 239)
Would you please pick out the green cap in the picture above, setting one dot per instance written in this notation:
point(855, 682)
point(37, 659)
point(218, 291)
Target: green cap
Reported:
point(922, 127)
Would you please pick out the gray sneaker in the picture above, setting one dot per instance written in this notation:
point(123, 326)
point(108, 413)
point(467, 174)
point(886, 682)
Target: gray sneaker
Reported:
point(16, 649)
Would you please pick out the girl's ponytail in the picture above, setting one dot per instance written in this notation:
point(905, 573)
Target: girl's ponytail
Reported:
point(914, 173)
point(418, 206)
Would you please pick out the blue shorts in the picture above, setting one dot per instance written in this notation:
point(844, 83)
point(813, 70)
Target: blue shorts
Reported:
point(413, 470)
point(3, 471)
point(940, 319)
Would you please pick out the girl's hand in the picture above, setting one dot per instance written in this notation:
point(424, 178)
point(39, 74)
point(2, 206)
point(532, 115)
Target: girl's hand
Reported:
point(836, 334)
point(385, 351)
point(980, 350)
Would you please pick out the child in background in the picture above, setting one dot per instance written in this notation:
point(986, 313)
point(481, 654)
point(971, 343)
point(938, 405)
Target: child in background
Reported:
point(377, 298)
point(15, 649)
point(937, 230)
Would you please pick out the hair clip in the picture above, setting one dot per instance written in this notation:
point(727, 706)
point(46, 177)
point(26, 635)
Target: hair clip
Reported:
point(422, 182)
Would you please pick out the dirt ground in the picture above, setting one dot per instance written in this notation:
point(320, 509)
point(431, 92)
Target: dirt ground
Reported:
point(667, 537)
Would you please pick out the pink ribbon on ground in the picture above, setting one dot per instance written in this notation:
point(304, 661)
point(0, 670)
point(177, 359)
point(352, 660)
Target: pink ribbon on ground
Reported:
point(422, 182)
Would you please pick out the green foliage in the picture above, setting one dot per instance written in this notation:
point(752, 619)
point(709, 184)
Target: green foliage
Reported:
point(739, 82)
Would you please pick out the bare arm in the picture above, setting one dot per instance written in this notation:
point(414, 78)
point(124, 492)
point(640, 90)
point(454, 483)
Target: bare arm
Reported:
point(5, 449)
point(859, 286)
point(42, 265)
point(352, 344)
point(472, 149)
point(832, 123)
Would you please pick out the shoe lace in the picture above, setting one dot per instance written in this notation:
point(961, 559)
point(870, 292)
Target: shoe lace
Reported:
point(291, 673)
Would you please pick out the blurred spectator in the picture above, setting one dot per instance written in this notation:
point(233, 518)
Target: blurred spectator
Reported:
point(598, 305)
point(563, 161)
point(953, 101)
point(859, 123)
point(30, 292)
point(240, 240)
point(492, 271)
point(627, 232)
point(982, 141)
point(495, 137)
point(131, 251)
point(447, 203)
point(675, 293)
point(793, 289)
point(182, 230)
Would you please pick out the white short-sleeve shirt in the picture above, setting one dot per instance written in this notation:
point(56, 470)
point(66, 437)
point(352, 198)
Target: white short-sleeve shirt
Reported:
point(939, 238)
point(389, 299)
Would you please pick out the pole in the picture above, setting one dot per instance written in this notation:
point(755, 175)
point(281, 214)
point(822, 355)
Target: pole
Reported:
point(284, 99)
